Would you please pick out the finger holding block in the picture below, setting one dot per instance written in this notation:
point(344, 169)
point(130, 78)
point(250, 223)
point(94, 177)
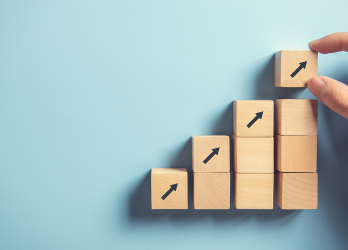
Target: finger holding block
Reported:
point(296, 116)
point(211, 154)
point(169, 188)
point(253, 118)
point(294, 68)
point(211, 190)
point(253, 191)
point(253, 154)
point(296, 190)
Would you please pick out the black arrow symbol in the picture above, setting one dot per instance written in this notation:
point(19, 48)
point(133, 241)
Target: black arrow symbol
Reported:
point(302, 66)
point(171, 189)
point(258, 116)
point(215, 152)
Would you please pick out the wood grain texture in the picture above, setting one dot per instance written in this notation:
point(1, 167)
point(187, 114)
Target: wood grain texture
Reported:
point(287, 61)
point(296, 190)
point(253, 191)
point(161, 179)
point(296, 116)
point(202, 147)
point(245, 111)
point(296, 153)
point(253, 154)
point(211, 190)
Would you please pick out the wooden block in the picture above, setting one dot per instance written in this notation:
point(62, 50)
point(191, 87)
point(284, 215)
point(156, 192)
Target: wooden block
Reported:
point(253, 154)
point(253, 118)
point(296, 190)
point(211, 154)
point(293, 68)
point(296, 153)
point(253, 191)
point(169, 188)
point(211, 190)
point(296, 116)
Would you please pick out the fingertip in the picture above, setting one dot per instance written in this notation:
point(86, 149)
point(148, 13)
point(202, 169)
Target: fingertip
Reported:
point(315, 86)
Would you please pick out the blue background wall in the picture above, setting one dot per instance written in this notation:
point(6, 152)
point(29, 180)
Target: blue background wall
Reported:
point(93, 94)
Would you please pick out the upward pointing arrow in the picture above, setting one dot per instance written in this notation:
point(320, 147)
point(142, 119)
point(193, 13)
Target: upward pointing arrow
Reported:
point(215, 152)
point(258, 116)
point(171, 189)
point(302, 66)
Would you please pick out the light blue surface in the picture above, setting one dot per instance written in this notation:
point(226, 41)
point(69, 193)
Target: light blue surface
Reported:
point(93, 94)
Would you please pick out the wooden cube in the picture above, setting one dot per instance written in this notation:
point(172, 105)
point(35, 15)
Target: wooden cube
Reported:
point(296, 153)
point(296, 190)
point(293, 68)
point(253, 118)
point(169, 188)
point(253, 191)
point(253, 154)
point(211, 154)
point(296, 116)
point(211, 190)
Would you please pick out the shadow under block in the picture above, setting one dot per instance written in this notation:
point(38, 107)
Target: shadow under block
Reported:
point(211, 190)
point(296, 116)
point(253, 154)
point(165, 194)
point(294, 68)
point(253, 118)
point(296, 153)
point(211, 154)
point(296, 190)
point(253, 191)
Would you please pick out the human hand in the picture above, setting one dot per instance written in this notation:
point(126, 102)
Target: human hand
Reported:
point(332, 93)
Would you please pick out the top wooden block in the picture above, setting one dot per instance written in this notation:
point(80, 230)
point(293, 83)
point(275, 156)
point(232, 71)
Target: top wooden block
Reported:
point(253, 118)
point(296, 116)
point(293, 68)
point(211, 154)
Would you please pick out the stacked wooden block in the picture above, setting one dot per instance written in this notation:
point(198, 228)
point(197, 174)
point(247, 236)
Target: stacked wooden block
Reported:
point(253, 154)
point(296, 153)
point(211, 172)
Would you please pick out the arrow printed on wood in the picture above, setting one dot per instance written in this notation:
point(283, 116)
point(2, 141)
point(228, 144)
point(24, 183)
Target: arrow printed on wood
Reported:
point(171, 189)
point(302, 66)
point(215, 152)
point(258, 116)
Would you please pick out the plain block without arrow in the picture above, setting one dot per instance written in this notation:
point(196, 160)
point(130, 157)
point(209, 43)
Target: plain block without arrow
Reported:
point(169, 188)
point(253, 154)
point(211, 190)
point(296, 116)
point(294, 68)
point(253, 118)
point(296, 190)
point(253, 191)
point(211, 153)
point(296, 153)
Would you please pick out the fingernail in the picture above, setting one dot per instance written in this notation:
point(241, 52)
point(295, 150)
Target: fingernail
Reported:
point(313, 42)
point(316, 85)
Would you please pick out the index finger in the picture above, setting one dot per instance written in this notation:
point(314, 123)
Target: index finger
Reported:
point(331, 43)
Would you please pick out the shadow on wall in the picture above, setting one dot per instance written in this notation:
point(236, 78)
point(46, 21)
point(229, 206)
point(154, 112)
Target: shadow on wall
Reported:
point(332, 184)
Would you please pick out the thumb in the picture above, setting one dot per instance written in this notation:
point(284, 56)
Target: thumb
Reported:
point(332, 93)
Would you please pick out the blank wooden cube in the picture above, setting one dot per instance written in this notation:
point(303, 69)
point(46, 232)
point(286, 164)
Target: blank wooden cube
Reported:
point(294, 68)
point(253, 118)
point(296, 190)
point(296, 153)
point(169, 188)
point(296, 116)
point(211, 190)
point(253, 154)
point(253, 191)
point(211, 153)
